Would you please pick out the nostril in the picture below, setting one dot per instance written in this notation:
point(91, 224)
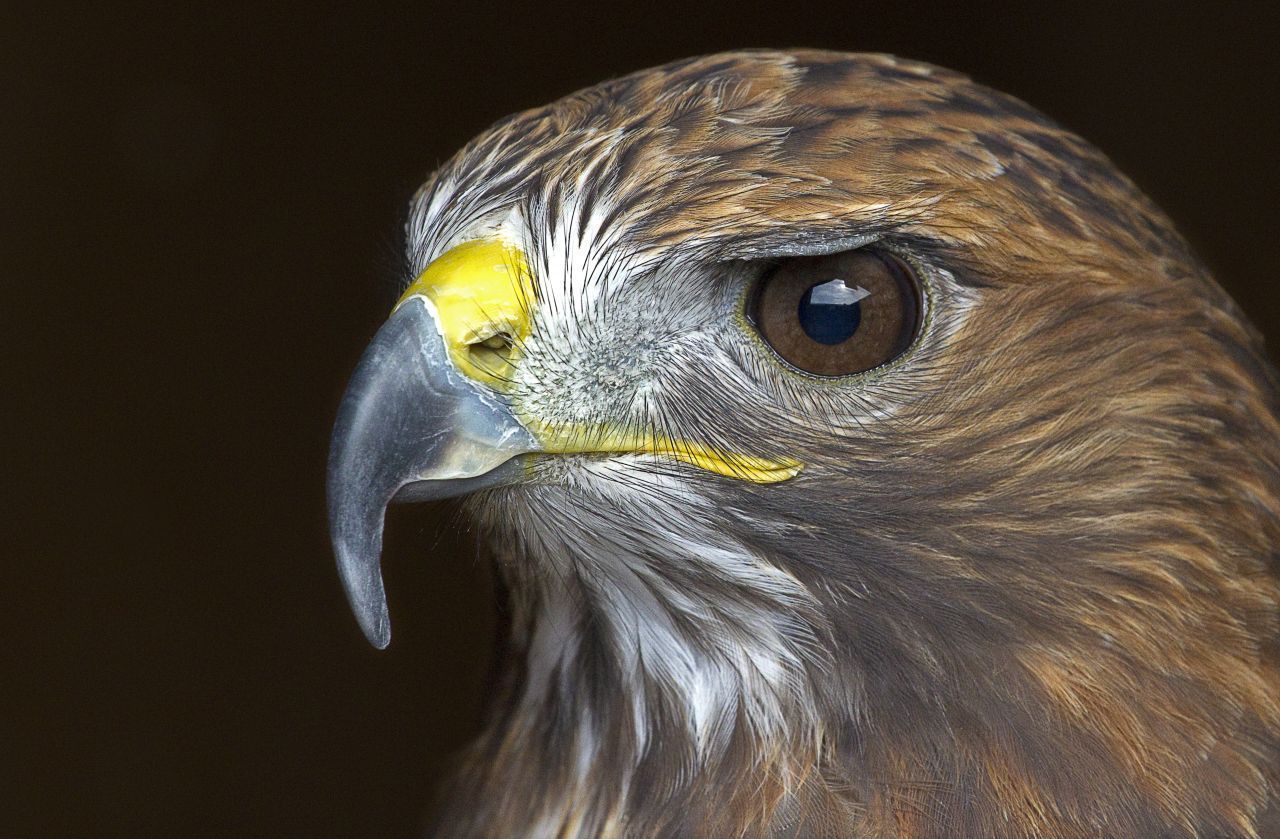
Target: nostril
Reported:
point(492, 355)
point(500, 341)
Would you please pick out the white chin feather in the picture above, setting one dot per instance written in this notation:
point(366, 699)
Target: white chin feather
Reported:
point(619, 525)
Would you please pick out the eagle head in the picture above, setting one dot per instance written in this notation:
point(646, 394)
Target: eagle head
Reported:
point(863, 454)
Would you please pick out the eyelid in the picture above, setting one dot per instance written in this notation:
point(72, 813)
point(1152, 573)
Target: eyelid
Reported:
point(764, 248)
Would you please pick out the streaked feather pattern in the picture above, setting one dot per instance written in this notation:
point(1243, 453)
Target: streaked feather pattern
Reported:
point(1026, 584)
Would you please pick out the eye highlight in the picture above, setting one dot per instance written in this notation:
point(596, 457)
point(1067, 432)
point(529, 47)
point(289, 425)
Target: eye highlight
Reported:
point(840, 314)
point(831, 312)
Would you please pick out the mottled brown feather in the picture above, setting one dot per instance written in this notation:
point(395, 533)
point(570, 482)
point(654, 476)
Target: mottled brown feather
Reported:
point(1057, 612)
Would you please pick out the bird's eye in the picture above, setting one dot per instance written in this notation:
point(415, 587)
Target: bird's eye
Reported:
point(840, 314)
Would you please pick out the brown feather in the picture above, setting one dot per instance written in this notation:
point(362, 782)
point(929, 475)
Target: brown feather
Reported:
point(1056, 613)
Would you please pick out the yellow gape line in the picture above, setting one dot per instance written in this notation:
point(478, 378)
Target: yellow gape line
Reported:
point(483, 297)
point(561, 439)
point(757, 470)
point(482, 293)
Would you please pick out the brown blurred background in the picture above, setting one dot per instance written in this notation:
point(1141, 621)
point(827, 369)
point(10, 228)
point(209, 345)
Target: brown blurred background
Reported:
point(199, 216)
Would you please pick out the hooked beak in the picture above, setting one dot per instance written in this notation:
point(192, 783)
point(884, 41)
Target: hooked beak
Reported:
point(411, 427)
point(425, 415)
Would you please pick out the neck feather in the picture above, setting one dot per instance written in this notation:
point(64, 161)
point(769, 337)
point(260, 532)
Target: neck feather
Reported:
point(675, 663)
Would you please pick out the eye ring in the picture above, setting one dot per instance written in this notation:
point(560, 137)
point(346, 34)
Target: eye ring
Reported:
point(839, 314)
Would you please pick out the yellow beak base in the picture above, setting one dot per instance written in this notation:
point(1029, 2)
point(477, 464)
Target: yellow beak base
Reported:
point(483, 297)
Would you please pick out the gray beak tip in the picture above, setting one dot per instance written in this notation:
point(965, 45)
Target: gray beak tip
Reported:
point(410, 428)
point(361, 576)
point(369, 602)
point(378, 632)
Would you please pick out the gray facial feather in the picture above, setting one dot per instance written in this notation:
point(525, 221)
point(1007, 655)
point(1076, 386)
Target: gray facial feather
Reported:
point(1025, 584)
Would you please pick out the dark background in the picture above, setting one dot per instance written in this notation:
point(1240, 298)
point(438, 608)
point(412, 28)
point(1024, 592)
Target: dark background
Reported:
point(199, 215)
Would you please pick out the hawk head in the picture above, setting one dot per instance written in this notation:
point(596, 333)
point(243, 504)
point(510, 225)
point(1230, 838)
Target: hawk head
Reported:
point(864, 456)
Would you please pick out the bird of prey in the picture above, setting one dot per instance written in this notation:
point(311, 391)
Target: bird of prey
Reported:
point(862, 455)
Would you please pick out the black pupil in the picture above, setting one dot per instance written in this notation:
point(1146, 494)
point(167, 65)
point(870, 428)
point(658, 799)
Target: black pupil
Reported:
point(830, 312)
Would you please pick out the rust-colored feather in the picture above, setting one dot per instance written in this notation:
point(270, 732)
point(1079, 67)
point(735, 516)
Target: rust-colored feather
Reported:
point(1044, 596)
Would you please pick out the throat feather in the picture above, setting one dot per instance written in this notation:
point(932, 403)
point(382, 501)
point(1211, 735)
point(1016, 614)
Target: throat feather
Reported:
point(658, 648)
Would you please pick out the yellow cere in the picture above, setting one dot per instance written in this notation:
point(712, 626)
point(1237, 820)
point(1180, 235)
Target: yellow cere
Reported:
point(483, 297)
point(483, 293)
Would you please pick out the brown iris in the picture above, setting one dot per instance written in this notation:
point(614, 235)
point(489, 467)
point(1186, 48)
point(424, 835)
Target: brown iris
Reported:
point(839, 314)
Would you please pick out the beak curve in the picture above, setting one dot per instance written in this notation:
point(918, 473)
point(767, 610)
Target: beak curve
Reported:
point(411, 427)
